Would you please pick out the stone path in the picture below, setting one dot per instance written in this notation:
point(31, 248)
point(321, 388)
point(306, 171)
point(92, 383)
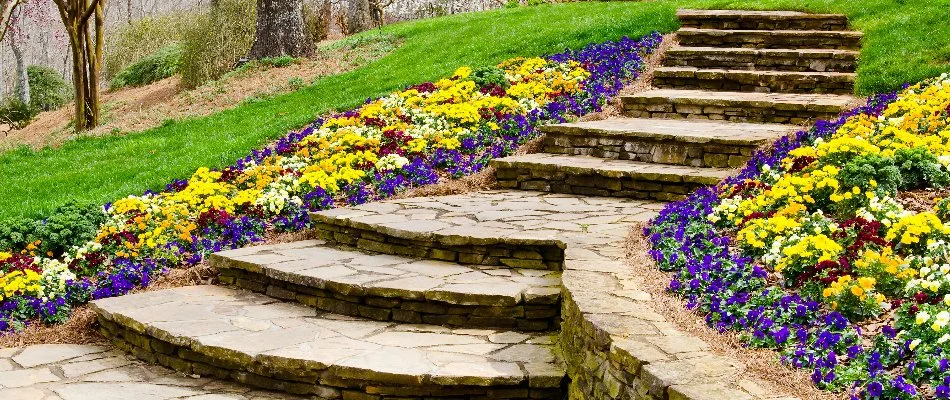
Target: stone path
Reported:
point(82, 372)
point(517, 293)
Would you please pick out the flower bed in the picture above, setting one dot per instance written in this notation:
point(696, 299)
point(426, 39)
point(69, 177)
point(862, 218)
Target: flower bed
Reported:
point(414, 137)
point(813, 249)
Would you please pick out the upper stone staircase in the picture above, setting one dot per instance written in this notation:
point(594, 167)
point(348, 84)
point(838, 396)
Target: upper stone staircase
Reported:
point(524, 292)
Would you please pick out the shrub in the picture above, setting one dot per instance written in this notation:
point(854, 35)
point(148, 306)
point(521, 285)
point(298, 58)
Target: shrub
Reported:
point(48, 89)
point(860, 171)
point(133, 42)
point(15, 112)
point(920, 168)
point(217, 40)
point(157, 66)
point(317, 19)
point(72, 224)
point(490, 76)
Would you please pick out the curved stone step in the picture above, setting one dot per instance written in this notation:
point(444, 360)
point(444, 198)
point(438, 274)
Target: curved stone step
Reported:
point(783, 108)
point(761, 20)
point(802, 60)
point(250, 338)
point(602, 177)
point(386, 287)
point(769, 39)
point(514, 229)
point(754, 81)
point(693, 143)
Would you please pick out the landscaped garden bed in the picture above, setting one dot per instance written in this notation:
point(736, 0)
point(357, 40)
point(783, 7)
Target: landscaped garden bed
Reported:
point(831, 248)
point(448, 128)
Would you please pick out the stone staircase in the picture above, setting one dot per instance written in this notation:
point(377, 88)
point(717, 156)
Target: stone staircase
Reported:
point(523, 292)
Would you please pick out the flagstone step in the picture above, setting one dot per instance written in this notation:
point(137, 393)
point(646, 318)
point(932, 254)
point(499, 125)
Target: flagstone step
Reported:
point(774, 20)
point(512, 229)
point(386, 287)
point(258, 341)
point(754, 81)
point(782, 108)
point(592, 176)
point(693, 143)
point(802, 60)
point(770, 39)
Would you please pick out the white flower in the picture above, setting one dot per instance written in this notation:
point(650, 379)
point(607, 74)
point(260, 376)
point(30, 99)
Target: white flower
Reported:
point(391, 162)
point(914, 344)
point(922, 317)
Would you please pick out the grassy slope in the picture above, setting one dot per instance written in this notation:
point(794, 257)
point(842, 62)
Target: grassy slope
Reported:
point(903, 43)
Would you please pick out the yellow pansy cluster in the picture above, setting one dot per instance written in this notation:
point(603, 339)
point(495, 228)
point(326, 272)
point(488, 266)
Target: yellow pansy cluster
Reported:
point(776, 216)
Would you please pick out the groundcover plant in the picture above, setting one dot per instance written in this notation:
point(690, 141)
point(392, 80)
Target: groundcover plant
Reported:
point(414, 137)
point(832, 248)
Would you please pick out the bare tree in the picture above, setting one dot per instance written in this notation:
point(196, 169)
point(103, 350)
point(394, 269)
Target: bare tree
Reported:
point(85, 26)
point(280, 29)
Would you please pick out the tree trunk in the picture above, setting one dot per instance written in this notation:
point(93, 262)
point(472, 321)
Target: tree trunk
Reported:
point(359, 16)
point(22, 85)
point(85, 43)
point(280, 29)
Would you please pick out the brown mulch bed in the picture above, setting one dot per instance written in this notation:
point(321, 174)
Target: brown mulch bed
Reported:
point(922, 200)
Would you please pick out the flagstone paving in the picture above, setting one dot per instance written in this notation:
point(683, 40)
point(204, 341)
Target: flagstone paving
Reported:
point(83, 372)
point(461, 296)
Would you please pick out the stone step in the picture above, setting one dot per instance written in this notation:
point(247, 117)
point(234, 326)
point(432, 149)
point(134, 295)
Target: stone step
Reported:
point(594, 176)
point(513, 229)
point(766, 39)
point(258, 341)
point(782, 108)
point(754, 81)
point(761, 20)
point(694, 143)
point(386, 287)
point(801, 60)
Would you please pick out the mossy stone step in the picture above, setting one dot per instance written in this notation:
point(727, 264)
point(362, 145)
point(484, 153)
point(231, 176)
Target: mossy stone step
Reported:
point(592, 176)
point(694, 143)
point(801, 60)
point(768, 39)
point(754, 81)
point(256, 340)
point(761, 20)
point(781, 108)
point(386, 287)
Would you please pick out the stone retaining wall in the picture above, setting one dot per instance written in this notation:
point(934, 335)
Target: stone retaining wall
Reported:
point(770, 39)
point(796, 114)
point(287, 376)
point(618, 348)
point(511, 253)
point(537, 313)
point(591, 184)
point(750, 81)
point(764, 60)
point(662, 151)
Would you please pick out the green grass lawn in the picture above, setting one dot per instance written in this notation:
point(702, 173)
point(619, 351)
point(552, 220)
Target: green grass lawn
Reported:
point(903, 42)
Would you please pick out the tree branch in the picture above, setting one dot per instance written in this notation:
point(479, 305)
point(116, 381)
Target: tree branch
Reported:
point(6, 11)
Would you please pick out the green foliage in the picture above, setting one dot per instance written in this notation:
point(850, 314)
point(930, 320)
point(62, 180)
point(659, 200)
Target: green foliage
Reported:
point(130, 43)
point(216, 41)
point(861, 171)
point(942, 209)
point(490, 76)
point(512, 4)
point(919, 169)
point(17, 232)
point(48, 89)
point(15, 112)
point(157, 66)
point(296, 83)
point(317, 20)
point(277, 62)
point(72, 224)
